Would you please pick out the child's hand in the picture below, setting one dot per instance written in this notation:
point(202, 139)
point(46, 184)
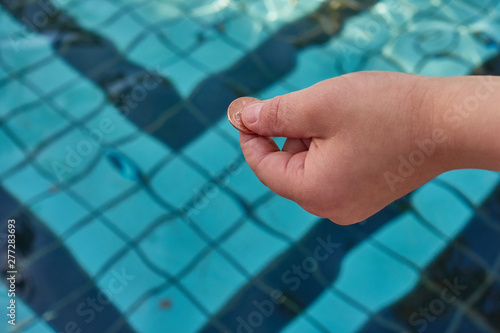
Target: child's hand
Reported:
point(360, 141)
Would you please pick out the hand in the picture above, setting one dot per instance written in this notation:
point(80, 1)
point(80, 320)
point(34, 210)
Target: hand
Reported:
point(357, 142)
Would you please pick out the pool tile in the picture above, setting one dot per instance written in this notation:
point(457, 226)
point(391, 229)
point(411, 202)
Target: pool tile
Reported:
point(313, 65)
point(216, 55)
point(253, 247)
point(46, 81)
point(178, 182)
point(111, 125)
point(173, 245)
point(300, 325)
point(90, 13)
point(368, 275)
point(67, 156)
point(287, 217)
point(475, 185)
point(169, 311)
point(336, 314)
point(124, 282)
point(212, 152)
point(22, 93)
point(123, 31)
point(24, 52)
point(10, 154)
point(445, 66)
point(146, 151)
point(246, 184)
point(247, 31)
point(214, 281)
point(158, 12)
point(37, 124)
point(59, 212)
point(135, 214)
point(185, 76)
point(442, 209)
point(406, 236)
point(152, 51)
point(183, 33)
point(93, 245)
point(112, 184)
point(80, 99)
point(26, 184)
point(215, 213)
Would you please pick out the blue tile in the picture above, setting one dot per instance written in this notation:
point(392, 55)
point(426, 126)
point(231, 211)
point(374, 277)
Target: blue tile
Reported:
point(336, 314)
point(10, 154)
point(475, 185)
point(247, 184)
point(34, 126)
point(178, 183)
point(122, 31)
point(135, 214)
point(45, 80)
point(152, 52)
point(59, 212)
point(93, 245)
point(90, 13)
point(169, 311)
point(214, 281)
point(445, 66)
point(111, 184)
point(253, 248)
point(313, 65)
point(80, 99)
point(381, 63)
point(404, 50)
point(300, 325)
point(125, 282)
point(216, 55)
point(111, 125)
point(24, 52)
point(173, 246)
point(215, 212)
point(374, 278)
point(212, 152)
point(406, 236)
point(158, 12)
point(247, 31)
point(9, 27)
point(183, 33)
point(22, 93)
point(185, 76)
point(287, 217)
point(68, 156)
point(146, 151)
point(26, 184)
point(441, 208)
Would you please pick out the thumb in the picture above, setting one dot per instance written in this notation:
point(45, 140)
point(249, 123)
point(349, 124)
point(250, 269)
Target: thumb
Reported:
point(295, 115)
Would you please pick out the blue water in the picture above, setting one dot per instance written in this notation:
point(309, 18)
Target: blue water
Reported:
point(150, 183)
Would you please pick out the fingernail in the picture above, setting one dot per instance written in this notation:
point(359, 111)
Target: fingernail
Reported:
point(251, 113)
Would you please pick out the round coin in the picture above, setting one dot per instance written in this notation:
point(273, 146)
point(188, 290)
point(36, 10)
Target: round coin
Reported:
point(235, 110)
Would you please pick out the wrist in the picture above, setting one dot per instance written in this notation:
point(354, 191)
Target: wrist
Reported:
point(468, 112)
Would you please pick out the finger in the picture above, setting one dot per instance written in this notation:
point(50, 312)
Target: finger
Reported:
point(301, 114)
point(294, 146)
point(281, 171)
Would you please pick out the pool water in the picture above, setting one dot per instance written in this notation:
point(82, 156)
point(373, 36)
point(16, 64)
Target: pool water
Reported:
point(136, 211)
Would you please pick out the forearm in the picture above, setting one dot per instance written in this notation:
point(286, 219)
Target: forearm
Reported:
point(469, 112)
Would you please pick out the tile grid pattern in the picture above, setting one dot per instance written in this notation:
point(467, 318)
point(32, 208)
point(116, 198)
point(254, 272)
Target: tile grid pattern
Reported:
point(96, 212)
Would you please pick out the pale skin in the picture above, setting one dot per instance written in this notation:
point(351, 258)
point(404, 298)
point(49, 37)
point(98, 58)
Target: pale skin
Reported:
point(347, 138)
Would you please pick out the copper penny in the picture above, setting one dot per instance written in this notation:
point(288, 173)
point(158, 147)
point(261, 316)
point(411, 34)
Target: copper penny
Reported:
point(235, 110)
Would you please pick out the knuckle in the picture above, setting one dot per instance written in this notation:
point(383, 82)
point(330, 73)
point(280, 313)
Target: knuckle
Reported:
point(277, 108)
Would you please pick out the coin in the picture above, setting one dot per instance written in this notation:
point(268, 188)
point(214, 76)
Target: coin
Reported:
point(235, 110)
